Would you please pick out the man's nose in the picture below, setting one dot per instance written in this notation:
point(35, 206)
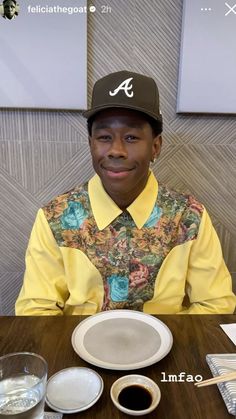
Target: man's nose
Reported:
point(117, 148)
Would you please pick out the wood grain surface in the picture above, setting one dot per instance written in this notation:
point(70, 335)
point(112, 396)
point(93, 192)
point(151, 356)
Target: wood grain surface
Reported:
point(194, 337)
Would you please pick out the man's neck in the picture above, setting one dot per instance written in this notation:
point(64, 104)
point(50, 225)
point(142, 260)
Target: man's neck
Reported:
point(123, 201)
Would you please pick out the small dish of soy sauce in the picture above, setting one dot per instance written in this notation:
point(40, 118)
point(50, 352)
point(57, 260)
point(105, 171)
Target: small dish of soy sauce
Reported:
point(135, 394)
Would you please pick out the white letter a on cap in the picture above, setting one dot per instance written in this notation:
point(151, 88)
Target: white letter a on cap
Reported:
point(124, 86)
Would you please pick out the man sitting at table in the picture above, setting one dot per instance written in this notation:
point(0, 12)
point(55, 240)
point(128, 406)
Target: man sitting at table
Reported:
point(122, 240)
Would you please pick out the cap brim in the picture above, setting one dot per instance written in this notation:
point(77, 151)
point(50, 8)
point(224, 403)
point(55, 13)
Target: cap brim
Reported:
point(91, 112)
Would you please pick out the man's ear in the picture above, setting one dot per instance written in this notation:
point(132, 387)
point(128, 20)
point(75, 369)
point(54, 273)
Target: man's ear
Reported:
point(157, 143)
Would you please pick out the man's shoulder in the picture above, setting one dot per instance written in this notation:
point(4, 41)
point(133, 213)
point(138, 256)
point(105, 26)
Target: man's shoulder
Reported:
point(78, 196)
point(182, 211)
point(175, 201)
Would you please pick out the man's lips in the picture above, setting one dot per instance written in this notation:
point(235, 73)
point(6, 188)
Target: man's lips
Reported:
point(117, 169)
point(117, 172)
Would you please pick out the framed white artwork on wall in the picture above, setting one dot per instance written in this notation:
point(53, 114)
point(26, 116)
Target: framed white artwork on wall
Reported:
point(208, 57)
point(43, 54)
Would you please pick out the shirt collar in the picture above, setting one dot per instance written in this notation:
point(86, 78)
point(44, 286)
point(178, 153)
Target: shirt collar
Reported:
point(105, 209)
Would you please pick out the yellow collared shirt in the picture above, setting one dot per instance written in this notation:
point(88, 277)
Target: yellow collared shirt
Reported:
point(86, 255)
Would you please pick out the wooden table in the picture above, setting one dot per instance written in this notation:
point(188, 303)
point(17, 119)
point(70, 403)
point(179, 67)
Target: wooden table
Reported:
point(194, 337)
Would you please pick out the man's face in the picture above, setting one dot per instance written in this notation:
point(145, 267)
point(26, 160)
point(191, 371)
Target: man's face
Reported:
point(122, 145)
point(9, 9)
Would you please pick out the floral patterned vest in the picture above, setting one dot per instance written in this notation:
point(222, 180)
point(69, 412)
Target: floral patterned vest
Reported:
point(127, 258)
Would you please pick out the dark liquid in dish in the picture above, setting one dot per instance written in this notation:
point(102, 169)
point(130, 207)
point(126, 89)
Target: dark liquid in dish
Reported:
point(135, 397)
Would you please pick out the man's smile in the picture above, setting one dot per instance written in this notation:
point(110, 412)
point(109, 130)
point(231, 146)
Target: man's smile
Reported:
point(117, 172)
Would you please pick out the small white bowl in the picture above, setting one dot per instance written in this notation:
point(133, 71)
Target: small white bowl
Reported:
point(137, 380)
point(73, 389)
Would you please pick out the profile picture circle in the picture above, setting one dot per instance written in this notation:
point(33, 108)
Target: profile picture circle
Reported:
point(10, 9)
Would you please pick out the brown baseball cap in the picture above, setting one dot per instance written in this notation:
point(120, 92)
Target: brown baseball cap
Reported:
point(125, 89)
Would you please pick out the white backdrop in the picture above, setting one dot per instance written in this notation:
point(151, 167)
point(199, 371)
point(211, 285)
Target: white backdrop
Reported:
point(43, 55)
point(208, 57)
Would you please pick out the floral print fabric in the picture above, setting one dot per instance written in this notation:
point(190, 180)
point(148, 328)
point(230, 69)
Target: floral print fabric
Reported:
point(127, 258)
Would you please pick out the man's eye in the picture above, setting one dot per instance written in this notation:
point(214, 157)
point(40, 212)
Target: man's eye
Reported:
point(131, 138)
point(104, 138)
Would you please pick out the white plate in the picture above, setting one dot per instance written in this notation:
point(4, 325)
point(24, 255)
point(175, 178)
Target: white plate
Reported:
point(73, 389)
point(122, 340)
